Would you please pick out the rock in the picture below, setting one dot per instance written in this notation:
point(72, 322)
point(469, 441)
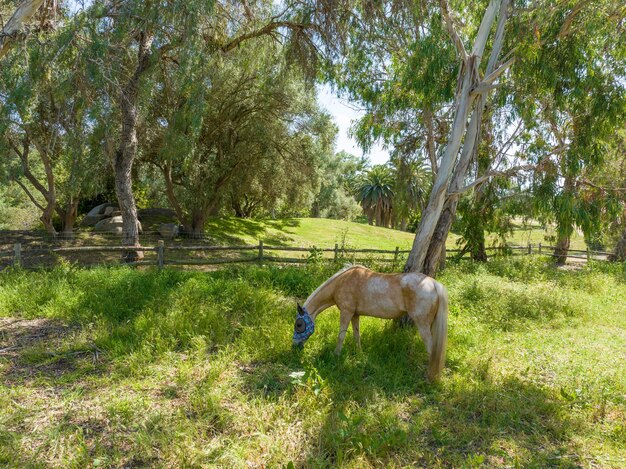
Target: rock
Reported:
point(110, 225)
point(113, 225)
point(91, 220)
point(100, 209)
point(96, 214)
point(108, 211)
point(168, 230)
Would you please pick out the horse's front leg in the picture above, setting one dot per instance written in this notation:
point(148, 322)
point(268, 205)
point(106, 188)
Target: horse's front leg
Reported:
point(344, 321)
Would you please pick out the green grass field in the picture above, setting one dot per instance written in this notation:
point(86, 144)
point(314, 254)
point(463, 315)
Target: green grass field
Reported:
point(322, 232)
point(113, 367)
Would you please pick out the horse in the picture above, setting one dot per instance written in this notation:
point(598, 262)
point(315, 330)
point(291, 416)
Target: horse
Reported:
point(358, 291)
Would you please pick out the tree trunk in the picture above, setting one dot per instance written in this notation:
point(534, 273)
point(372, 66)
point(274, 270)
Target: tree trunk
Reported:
point(561, 248)
point(24, 12)
point(440, 212)
point(315, 209)
point(68, 215)
point(428, 249)
point(125, 156)
point(477, 246)
point(430, 217)
point(565, 227)
point(195, 223)
point(620, 249)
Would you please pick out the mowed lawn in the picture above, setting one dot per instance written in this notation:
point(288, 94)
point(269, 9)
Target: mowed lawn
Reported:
point(324, 233)
point(114, 367)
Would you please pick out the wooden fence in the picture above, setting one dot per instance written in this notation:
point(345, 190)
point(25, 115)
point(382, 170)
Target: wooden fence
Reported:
point(261, 253)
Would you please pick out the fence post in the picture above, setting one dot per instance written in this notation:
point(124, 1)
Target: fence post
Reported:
point(588, 254)
point(17, 254)
point(261, 250)
point(161, 254)
point(539, 248)
point(336, 252)
point(530, 248)
point(395, 256)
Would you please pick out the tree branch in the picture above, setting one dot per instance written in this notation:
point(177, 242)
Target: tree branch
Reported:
point(267, 30)
point(509, 172)
point(29, 194)
point(454, 35)
point(24, 12)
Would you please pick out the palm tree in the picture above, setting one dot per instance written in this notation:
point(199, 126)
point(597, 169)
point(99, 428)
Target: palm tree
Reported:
point(375, 194)
point(411, 187)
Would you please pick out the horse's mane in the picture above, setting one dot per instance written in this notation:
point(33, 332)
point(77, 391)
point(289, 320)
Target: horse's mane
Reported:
point(346, 267)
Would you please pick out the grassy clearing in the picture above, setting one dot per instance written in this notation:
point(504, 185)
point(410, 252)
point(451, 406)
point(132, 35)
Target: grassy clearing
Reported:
point(322, 232)
point(307, 232)
point(115, 367)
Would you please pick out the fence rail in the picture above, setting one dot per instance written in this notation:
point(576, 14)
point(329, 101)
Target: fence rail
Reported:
point(260, 253)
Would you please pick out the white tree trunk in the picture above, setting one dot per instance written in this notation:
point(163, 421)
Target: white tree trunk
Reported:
point(464, 99)
point(25, 11)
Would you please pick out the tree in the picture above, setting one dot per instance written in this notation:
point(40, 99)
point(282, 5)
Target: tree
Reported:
point(45, 125)
point(412, 181)
point(23, 14)
point(338, 175)
point(155, 35)
point(392, 95)
point(242, 130)
point(375, 194)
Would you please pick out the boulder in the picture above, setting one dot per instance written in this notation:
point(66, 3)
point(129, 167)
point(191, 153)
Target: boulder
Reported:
point(96, 214)
point(112, 225)
point(108, 211)
point(168, 230)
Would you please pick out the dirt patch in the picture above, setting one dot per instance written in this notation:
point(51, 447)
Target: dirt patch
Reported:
point(17, 334)
point(35, 347)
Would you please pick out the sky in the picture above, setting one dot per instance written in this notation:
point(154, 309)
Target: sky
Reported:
point(344, 114)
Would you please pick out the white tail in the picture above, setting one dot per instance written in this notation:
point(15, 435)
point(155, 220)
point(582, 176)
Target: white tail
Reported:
point(439, 331)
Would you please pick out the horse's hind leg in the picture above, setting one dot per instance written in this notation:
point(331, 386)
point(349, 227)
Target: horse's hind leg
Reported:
point(422, 320)
point(356, 331)
point(426, 336)
point(344, 321)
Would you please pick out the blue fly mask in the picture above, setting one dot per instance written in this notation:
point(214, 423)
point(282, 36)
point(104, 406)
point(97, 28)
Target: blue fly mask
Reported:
point(304, 326)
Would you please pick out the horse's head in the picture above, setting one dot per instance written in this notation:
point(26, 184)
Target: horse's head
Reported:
point(303, 328)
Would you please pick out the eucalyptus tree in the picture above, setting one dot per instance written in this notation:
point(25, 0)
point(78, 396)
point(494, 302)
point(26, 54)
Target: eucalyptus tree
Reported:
point(575, 101)
point(20, 19)
point(483, 58)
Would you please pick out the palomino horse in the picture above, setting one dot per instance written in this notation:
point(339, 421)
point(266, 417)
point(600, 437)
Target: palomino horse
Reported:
point(358, 291)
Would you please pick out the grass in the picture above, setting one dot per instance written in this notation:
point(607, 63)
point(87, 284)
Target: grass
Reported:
point(113, 367)
point(322, 232)
point(307, 232)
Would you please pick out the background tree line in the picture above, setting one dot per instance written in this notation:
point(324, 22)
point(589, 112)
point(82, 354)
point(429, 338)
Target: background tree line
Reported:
point(515, 109)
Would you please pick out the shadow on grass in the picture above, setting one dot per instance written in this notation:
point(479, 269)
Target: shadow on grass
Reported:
point(234, 230)
point(44, 348)
point(377, 404)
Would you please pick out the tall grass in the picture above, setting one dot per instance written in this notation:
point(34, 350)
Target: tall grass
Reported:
point(186, 368)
